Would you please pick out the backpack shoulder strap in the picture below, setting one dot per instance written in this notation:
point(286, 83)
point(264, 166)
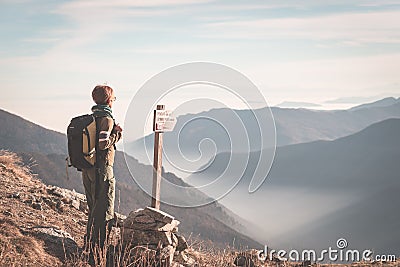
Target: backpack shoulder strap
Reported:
point(96, 165)
point(115, 147)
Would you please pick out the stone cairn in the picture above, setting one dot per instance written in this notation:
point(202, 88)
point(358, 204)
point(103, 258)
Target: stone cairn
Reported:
point(151, 238)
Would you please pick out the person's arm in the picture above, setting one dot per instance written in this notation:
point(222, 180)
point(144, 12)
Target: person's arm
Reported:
point(107, 136)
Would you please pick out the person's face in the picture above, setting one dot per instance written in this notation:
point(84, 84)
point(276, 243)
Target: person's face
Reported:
point(112, 100)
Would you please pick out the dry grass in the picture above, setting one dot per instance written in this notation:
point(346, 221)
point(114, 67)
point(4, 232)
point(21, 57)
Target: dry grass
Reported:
point(12, 163)
point(19, 245)
point(17, 249)
point(204, 253)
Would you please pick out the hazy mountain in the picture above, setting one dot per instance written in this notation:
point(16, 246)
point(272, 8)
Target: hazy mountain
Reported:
point(212, 222)
point(293, 126)
point(318, 192)
point(385, 102)
point(291, 104)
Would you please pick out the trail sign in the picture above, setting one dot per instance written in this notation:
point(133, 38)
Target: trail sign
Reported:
point(163, 121)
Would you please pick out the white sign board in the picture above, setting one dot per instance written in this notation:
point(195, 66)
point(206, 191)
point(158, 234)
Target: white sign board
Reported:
point(163, 121)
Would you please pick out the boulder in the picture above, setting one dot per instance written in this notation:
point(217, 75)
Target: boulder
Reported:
point(155, 230)
point(151, 238)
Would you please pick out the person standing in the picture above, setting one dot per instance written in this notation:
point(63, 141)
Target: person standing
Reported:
point(99, 181)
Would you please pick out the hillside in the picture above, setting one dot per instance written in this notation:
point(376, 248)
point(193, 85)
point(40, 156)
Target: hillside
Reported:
point(18, 134)
point(37, 226)
point(342, 188)
point(212, 222)
point(44, 225)
point(385, 102)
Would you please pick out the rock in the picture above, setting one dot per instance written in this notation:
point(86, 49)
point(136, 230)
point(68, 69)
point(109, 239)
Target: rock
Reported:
point(37, 206)
point(170, 227)
point(143, 219)
point(8, 213)
point(60, 241)
point(64, 197)
point(248, 258)
point(244, 261)
point(15, 195)
point(156, 230)
point(119, 219)
point(150, 219)
point(52, 232)
point(75, 203)
point(153, 238)
point(67, 200)
point(182, 244)
point(50, 202)
point(158, 215)
point(150, 227)
point(60, 206)
point(184, 259)
point(57, 191)
point(174, 239)
point(31, 200)
point(65, 193)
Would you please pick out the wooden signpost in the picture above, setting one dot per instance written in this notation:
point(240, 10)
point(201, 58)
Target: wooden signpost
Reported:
point(162, 121)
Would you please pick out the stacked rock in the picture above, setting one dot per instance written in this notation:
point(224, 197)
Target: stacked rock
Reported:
point(153, 232)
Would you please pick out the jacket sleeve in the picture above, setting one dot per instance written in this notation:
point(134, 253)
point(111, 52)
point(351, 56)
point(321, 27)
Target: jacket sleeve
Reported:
point(107, 136)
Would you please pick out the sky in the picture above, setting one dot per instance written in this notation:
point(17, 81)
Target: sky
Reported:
point(334, 53)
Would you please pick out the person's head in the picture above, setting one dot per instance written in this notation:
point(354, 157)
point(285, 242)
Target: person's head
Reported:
point(103, 95)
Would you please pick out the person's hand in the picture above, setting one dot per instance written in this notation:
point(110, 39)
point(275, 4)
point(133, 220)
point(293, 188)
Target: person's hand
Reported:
point(118, 128)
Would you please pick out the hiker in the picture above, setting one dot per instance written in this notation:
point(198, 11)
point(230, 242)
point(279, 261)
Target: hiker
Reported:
point(100, 190)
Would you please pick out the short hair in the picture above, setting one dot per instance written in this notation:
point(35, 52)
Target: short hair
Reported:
point(101, 94)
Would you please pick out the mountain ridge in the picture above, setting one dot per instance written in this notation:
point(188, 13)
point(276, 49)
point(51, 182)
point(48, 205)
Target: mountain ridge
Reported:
point(293, 126)
point(19, 134)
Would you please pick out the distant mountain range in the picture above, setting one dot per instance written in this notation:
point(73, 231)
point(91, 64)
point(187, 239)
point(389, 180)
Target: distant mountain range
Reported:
point(293, 126)
point(45, 152)
point(320, 191)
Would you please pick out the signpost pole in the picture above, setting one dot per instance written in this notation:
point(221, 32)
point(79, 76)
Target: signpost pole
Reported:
point(157, 163)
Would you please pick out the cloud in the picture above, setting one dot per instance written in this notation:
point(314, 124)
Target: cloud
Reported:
point(316, 80)
point(352, 100)
point(381, 3)
point(372, 27)
point(128, 3)
point(41, 40)
point(91, 21)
